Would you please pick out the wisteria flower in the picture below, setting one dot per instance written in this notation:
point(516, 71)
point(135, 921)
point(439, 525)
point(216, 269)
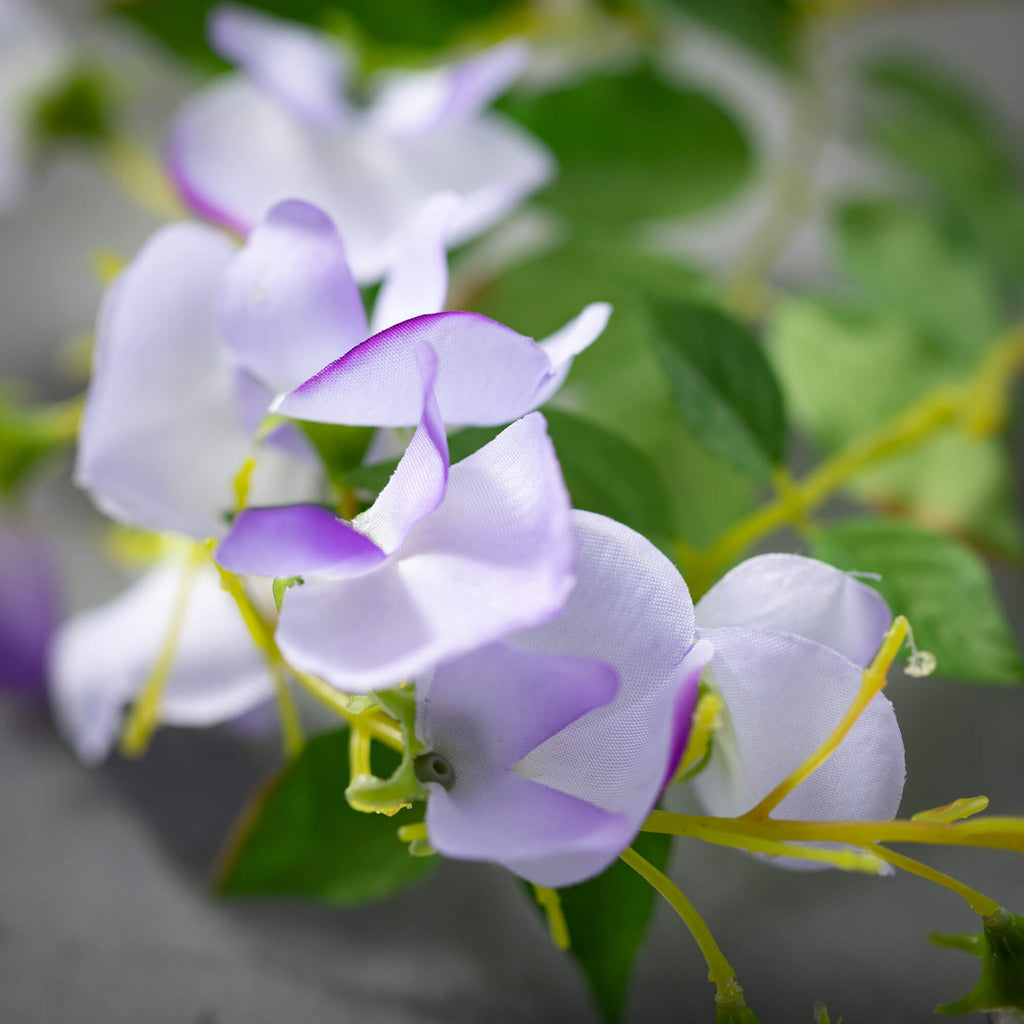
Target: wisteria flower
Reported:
point(445, 560)
point(549, 749)
point(31, 605)
point(291, 311)
point(792, 636)
point(282, 127)
point(34, 55)
point(101, 659)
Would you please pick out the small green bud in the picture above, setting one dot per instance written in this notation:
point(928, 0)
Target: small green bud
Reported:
point(283, 583)
point(1001, 950)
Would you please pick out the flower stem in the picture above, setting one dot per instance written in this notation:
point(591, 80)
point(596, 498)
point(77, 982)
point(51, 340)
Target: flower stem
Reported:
point(719, 969)
point(141, 177)
point(145, 713)
point(551, 903)
point(979, 902)
point(872, 682)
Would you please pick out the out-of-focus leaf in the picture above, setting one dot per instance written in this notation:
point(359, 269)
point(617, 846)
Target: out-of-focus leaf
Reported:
point(423, 25)
point(724, 386)
point(942, 587)
point(608, 918)
point(607, 474)
point(300, 837)
point(29, 436)
point(847, 371)
point(632, 146)
point(78, 107)
point(619, 382)
point(766, 26)
point(906, 266)
point(341, 448)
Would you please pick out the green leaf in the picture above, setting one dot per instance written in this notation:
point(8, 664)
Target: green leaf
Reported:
point(766, 26)
point(341, 448)
point(300, 837)
point(1001, 949)
point(723, 385)
point(942, 587)
point(29, 436)
point(631, 146)
point(79, 106)
point(906, 266)
point(618, 382)
point(847, 371)
point(608, 918)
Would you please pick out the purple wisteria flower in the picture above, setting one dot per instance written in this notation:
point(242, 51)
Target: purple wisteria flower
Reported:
point(548, 750)
point(283, 128)
point(792, 636)
point(101, 659)
point(445, 560)
point(31, 606)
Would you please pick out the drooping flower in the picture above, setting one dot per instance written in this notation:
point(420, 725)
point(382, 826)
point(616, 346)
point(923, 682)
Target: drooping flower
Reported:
point(792, 636)
point(101, 659)
point(547, 750)
point(30, 608)
point(283, 128)
point(445, 560)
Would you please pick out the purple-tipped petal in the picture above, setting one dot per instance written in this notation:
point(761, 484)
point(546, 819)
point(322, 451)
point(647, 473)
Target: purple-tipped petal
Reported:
point(31, 605)
point(417, 281)
point(414, 102)
point(417, 486)
point(297, 66)
point(289, 305)
point(784, 695)
point(296, 540)
point(792, 594)
point(487, 374)
point(162, 433)
point(101, 658)
point(496, 556)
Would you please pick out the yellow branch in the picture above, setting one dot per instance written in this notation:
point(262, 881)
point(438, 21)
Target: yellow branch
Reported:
point(719, 969)
point(551, 903)
point(872, 682)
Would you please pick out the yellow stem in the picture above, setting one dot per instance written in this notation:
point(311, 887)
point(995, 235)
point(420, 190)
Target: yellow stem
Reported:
point(707, 719)
point(872, 682)
point(551, 903)
point(719, 970)
point(996, 833)
point(141, 177)
point(979, 902)
point(292, 734)
point(359, 751)
point(380, 727)
point(145, 713)
point(980, 405)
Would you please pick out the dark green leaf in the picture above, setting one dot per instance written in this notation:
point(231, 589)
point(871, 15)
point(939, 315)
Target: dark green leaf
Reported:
point(341, 448)
point(767, 26)
point(908, 267)
point(605, 473)
point(299, 836)
point(29, 436)
point(723, 384)
point(618, 382)
point(1001, 949)
point(608, 919)
point(78, 107)
point(632, 146)
point(942, 587)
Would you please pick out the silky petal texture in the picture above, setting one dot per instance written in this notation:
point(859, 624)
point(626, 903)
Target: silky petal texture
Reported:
point(162, 433)
point(297, 66)
point(496, 556)
point(31, 604)
point(289, 305)
point(487, 374)
point(294, 540)
point(101, 658)
point(785, 694)
point(410, 102)
point(793, 594)
point(418, 484)
point(233, 153)
point(417, 281)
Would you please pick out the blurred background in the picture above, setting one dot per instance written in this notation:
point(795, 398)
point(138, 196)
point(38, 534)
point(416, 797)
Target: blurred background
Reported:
point(842, 172)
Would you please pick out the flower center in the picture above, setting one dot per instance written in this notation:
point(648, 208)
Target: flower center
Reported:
point(432, 767)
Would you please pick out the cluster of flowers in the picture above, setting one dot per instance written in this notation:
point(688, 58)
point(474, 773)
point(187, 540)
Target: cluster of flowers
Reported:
point(556, 655)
